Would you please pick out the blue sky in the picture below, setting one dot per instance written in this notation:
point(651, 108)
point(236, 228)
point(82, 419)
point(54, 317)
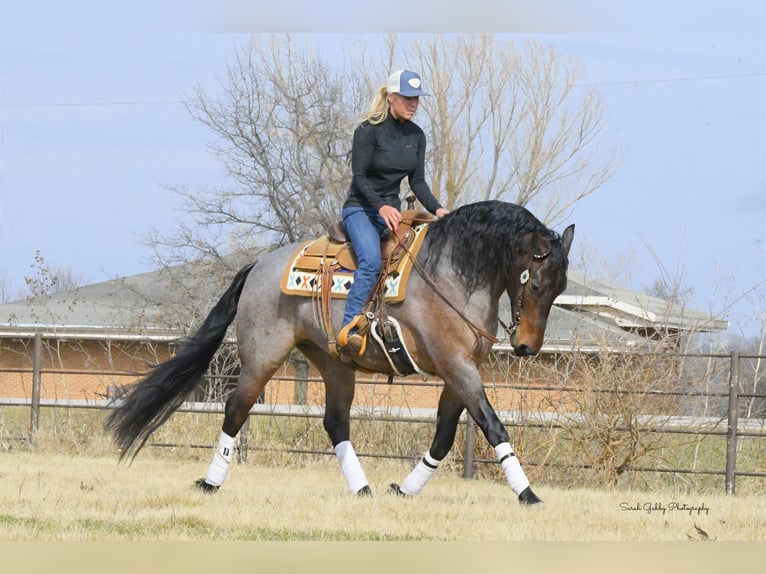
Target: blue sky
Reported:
point(92, 128)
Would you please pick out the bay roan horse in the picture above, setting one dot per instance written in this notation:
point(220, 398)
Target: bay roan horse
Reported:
point(467, 261)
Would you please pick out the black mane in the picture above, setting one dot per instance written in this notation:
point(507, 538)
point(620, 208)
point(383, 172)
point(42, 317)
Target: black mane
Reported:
point(482, 240)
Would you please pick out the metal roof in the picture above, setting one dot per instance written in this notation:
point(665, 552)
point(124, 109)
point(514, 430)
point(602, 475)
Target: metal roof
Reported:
point(633, 310)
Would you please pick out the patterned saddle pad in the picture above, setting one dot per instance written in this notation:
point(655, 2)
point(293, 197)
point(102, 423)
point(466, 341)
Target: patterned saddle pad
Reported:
point(305, 270)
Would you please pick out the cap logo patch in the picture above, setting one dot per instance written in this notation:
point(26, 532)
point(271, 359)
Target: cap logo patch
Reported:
point(414, 82)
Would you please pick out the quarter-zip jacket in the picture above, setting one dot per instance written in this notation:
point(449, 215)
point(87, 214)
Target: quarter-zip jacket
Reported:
point(382, 155)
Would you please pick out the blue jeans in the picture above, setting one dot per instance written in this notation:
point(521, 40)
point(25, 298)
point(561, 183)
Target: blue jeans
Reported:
point(365, 228)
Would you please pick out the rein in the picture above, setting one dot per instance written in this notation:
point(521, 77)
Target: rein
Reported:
point(423, 273)
point(515, 317)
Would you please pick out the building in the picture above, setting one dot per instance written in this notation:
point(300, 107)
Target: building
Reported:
point(99, 337)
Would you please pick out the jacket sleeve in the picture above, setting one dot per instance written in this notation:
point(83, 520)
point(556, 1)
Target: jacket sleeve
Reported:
point(417, 179)
point(361, 159)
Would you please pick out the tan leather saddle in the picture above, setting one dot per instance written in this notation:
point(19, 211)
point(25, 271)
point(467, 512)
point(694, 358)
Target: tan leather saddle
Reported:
point(335, 246)
point(323, 268)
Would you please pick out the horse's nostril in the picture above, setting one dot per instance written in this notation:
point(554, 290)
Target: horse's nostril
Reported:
point(524, 351)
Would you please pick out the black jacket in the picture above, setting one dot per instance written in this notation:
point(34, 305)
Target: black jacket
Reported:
point(381, 157)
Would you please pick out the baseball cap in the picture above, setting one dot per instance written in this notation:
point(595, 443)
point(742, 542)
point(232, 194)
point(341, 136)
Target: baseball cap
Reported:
point(406, 83)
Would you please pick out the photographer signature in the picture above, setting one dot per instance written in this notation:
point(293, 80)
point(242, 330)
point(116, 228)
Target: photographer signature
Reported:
point(663, 508)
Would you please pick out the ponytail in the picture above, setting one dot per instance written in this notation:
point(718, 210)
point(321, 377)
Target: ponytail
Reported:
point(378, 111)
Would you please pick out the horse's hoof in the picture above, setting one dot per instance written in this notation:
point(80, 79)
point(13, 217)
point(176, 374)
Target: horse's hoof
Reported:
point(205, 486)
point(529, 498)
point(365, 491)
point(394, 489)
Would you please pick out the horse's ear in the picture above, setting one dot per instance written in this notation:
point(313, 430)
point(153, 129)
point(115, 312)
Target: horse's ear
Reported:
point(567, 237)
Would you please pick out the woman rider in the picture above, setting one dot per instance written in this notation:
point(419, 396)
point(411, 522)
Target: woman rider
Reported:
point(387, 147)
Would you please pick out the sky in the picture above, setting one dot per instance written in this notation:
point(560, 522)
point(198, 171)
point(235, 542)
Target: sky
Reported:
point(93, 128)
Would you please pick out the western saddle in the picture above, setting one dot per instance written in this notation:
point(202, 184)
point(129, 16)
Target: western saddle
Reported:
point(333, 253)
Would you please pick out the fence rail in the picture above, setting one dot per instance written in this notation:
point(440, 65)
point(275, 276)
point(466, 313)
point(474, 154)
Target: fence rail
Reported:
point(681, 425)
point(731, 426)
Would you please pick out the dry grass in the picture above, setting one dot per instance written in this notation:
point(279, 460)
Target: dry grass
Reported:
point(48, 497)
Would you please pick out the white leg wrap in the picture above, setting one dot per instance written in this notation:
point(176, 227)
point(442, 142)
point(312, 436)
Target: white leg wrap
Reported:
point(420, 475)
point(219, 466)
point(349, 464)
point(514, 474)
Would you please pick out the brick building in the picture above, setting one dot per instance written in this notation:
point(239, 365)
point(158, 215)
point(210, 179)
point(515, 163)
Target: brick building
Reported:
point(105, 335)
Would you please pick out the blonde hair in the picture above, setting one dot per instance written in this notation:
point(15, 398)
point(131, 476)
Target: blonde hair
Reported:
point(378, 111)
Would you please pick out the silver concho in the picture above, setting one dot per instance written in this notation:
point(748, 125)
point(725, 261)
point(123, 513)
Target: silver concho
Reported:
point(524, 276)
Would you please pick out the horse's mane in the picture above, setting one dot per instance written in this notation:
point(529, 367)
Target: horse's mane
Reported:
point(482, 240)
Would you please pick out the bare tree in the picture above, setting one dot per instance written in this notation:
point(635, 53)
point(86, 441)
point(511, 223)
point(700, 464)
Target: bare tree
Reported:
point(502, 122)
point(282, 124)
point(48, 279)
point(512, 123)
point(674, 292)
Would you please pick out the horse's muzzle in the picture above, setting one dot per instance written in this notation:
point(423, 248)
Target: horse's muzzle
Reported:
point(524, 351)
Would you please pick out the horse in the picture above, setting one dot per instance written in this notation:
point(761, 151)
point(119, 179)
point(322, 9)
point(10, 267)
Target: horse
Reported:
point(467, 261)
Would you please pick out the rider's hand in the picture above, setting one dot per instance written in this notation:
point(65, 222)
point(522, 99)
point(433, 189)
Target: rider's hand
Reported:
point(441, 212)
point(391, 216)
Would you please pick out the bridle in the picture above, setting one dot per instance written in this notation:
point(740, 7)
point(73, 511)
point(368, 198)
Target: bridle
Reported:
point(523, 280)
point(515, 317)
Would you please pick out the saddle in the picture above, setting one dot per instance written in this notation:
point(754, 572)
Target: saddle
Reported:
point(324, 268)
point(332, 253)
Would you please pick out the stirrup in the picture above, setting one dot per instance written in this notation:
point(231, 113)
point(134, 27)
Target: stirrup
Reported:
point(358, 323)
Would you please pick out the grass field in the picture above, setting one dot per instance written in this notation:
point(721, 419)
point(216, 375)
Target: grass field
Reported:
point(54, 497)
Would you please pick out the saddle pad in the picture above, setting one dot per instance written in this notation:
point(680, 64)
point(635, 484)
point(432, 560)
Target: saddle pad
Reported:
point(299, 279)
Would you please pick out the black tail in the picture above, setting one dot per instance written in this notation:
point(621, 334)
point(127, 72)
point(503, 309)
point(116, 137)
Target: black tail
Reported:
point(149, 403)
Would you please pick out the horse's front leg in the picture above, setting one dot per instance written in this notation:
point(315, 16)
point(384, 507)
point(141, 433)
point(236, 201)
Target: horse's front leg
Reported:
point(447, 418)
point(475, 398)
point(494, 430)
point(469, 387)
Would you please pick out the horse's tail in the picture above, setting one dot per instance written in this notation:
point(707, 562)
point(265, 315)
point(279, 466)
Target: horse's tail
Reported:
point(148, 404)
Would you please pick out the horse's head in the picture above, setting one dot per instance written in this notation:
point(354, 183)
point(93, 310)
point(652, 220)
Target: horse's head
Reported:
point(539, 277)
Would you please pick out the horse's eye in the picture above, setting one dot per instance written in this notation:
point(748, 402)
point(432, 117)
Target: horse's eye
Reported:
point(534, 287)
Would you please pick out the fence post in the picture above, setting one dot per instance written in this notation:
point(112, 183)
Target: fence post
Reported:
point(731, 430)
point(37, 353)
point(470, 447)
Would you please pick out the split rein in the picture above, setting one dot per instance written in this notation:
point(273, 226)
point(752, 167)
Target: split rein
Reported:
point(515, 318)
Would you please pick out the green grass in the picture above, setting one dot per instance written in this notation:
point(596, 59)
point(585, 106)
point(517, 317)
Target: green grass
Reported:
point(184, 528)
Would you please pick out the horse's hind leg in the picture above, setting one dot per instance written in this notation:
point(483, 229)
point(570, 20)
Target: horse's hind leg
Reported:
point(448, 415)
point(339, 394)
point(237, 410)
